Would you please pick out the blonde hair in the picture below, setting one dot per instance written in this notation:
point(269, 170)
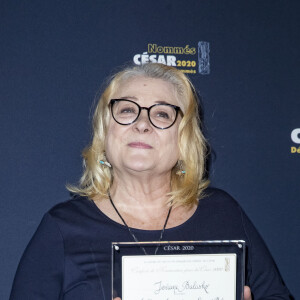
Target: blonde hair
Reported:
point(185, 189)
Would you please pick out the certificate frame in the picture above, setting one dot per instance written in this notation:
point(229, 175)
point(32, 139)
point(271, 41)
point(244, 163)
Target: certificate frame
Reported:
point(203, 263)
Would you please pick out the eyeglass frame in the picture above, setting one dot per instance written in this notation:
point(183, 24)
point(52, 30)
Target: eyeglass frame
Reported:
point(177, 109)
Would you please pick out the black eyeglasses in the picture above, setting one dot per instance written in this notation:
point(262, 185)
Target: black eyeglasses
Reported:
point(161, 115)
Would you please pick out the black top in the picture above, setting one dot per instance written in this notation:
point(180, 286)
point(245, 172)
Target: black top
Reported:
point(69, 256)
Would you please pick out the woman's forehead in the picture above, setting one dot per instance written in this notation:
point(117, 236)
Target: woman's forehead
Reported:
point(144, 88)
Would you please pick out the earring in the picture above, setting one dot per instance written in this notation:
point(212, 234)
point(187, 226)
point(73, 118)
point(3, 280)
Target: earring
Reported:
point(180, 171)
point(104, 162)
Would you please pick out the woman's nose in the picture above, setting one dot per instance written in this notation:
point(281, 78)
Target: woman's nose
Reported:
point(143, 124)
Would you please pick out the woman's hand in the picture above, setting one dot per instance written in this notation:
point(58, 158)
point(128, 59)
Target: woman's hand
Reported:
point(247, 293)
point(118, 298)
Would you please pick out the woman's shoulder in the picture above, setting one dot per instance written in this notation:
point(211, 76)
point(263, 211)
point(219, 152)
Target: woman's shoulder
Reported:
point(218, 203)
point(216, 196)
point(75, 206)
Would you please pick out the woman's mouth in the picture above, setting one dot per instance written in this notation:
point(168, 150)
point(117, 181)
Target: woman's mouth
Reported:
point(139, 145)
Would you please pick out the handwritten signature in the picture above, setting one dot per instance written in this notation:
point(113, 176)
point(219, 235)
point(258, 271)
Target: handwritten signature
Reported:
point(179, 289)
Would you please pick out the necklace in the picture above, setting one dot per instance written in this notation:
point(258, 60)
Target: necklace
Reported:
point(132, 234)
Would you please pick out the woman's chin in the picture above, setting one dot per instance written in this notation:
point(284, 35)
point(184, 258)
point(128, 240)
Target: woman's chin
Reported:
point(140, 166)
point(140, 169)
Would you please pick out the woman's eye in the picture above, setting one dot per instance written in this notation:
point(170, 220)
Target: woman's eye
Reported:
point(162, 114)
point(127, 110)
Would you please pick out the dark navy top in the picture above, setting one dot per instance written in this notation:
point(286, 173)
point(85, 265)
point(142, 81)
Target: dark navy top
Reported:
point(69, 256)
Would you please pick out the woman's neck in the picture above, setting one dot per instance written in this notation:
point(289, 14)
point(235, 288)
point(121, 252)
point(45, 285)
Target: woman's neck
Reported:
point(143, 202)
point(143, 191)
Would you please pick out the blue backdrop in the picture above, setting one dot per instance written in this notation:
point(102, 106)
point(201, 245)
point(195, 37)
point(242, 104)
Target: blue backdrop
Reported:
point(54, 56)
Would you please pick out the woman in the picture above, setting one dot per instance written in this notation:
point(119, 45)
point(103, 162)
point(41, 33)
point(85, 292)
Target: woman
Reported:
point(143, 181)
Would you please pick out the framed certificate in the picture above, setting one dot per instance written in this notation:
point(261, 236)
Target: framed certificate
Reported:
point(183, 270)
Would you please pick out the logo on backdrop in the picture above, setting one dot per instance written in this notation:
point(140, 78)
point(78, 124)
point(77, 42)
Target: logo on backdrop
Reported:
point(188, 59)
point(295, 136)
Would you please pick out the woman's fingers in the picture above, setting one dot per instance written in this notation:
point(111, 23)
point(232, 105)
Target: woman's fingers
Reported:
point(247, 293)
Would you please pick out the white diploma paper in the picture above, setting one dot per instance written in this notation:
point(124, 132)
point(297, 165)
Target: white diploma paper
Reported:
point(179, 277)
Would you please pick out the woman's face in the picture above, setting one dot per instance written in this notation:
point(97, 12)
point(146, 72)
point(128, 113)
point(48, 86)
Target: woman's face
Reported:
point(140, 147)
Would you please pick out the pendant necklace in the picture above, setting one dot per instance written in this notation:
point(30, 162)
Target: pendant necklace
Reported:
point(132, 234)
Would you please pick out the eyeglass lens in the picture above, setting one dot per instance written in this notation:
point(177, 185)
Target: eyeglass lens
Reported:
point(161, 115)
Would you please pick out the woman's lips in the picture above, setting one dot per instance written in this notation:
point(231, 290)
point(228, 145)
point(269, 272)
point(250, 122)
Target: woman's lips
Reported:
point(139, 145)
